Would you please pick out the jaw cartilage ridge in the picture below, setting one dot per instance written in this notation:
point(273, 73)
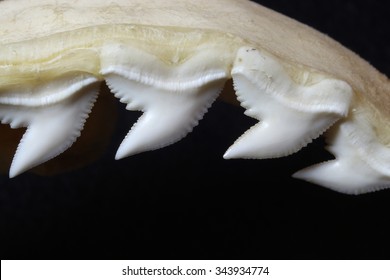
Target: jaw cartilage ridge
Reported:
point(50, 129)
point(291, 115)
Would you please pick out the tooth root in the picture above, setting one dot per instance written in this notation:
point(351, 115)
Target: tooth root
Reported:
point(168, 115)
point(291, 115)
point(51, 129)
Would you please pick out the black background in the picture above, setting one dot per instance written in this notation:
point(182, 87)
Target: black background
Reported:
point(185, 201)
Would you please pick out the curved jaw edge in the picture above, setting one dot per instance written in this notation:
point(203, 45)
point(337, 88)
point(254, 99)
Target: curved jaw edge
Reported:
point(356, 169)
point(291, 115)
point(168, 115)
point(50, 129)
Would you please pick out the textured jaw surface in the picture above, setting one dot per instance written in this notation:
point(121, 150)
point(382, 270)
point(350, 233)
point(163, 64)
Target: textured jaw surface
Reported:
point(170, 59)
point(293, 106)
point(173, 82)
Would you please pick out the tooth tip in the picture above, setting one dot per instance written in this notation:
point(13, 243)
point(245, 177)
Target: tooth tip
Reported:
point(227, 155)
point(301, 175)
point(242, 150)
point(13, 175)
point(120, 155)
point(15, 170)
point(123, 152)
point(234, 153)
point(320, 174)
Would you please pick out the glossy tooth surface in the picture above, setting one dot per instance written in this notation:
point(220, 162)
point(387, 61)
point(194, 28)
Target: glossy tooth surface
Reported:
point(51, 129)
point(172, 89)
point(350, 172)
point(291, 115)
point(168, 115)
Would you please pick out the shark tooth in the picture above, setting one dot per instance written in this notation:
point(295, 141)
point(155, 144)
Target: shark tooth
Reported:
point(173, 94)
point(158, 56)
point(348, 175)
point(168, 115)
point(290, 114)
point(354, 170)
point(51, 129)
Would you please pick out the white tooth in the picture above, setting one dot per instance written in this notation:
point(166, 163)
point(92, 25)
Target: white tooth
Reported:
point(351, 172)
point(168, 115)
point(346, 175)
point(281, 131)
point(50, 130)
point(290, 114)
point(173, 89)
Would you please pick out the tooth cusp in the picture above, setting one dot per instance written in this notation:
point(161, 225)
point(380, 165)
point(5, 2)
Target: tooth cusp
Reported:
point(345, 175)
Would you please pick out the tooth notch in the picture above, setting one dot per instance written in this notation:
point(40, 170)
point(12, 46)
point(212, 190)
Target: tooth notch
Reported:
point(291, 114)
